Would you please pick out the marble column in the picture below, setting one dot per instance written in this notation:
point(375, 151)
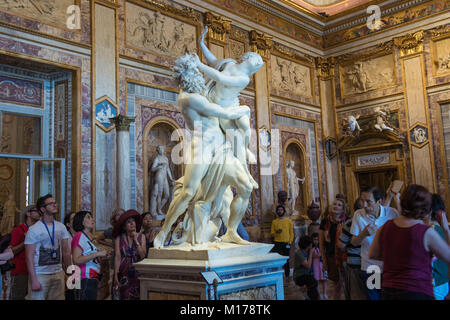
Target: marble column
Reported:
point(418, 119)
point(122, 124)
point(325, 73)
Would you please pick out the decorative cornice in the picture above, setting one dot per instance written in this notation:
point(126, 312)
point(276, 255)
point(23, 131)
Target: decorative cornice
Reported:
point(380, 50)
point(325, 67)
point(218, 27)
point(239, 34)
point(410, 43)
point(289, 53)
point(441, 31)
point(260, 43)
point(122, 123)
point(164, 7)
point(109, 3)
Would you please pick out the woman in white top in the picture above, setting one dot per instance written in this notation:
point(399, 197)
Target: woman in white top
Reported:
point(85, 254)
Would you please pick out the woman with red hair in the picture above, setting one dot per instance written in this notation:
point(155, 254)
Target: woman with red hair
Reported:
point(406, 245)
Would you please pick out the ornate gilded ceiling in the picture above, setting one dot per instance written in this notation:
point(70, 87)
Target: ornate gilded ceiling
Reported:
point(329, 7)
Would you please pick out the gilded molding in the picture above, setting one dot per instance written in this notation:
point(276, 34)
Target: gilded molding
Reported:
point(260, 43)
point(163, 7)
point(278, 49)
point(439, 32)
point(239, 34)
point(218, 27)
point(114, 4)
point(325, 67)
point(410, 43)
point(122, 123)
point(380, 50)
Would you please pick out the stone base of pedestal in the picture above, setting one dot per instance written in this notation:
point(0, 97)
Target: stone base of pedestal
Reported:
point(249, 272)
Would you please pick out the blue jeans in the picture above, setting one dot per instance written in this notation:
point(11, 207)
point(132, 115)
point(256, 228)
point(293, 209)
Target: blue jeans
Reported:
point(372, 294)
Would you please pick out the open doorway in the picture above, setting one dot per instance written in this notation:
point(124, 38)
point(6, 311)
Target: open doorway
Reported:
point(38, 104)
point(380, 178)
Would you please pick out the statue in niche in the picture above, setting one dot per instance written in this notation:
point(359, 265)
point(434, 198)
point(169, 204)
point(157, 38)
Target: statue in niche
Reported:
point(359, 78)
point(9, 213)
point(382, 121)
point(293, 186)
point(161, 191)
point(205, 189)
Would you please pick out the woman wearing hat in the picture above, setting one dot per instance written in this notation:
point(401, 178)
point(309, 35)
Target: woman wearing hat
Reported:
point(130, 247)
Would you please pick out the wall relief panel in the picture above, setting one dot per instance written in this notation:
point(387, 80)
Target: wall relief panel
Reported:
point(290, 76)
point(441, 57)
point(158, 33)
point(367, 75)
point(47, 11)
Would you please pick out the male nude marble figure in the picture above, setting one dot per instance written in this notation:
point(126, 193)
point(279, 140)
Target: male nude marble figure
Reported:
point(229, 78)
point(206, 152)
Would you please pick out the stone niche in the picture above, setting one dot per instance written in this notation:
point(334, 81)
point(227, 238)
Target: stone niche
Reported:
point(159, 132)
point(295, 151)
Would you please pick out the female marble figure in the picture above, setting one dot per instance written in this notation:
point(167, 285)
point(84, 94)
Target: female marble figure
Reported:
point(160, 192)
point(293, 186)
point(228, 79)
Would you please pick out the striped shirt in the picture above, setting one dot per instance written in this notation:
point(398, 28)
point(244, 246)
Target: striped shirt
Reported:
point(353, 253)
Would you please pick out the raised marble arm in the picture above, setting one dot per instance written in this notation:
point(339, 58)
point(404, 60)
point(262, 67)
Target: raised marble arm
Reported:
point(209, 56)
point(220, 77)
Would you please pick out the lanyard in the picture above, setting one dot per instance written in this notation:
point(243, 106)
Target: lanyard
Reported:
point(52, 238)
point(86, 236)
point(130, 249)
point(90, 242)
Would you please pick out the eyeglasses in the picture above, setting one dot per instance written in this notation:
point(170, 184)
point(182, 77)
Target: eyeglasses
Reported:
point(51, 204)
point(34, 210)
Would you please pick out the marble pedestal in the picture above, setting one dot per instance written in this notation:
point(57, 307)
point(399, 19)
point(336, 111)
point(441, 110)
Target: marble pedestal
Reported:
point(249, 272)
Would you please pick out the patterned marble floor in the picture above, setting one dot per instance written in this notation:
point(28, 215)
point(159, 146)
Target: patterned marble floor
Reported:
point(293, 292)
